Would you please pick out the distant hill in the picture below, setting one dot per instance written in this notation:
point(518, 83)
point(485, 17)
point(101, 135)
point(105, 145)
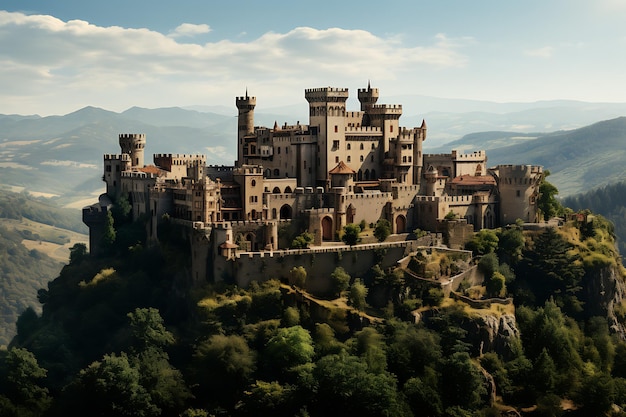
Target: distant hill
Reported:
point(62, 155)
point(579, 160)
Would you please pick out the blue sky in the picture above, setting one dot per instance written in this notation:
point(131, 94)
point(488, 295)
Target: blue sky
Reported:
point(59, 56)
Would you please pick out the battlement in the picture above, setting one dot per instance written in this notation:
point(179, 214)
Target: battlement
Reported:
point(138, 175)
point(245, 101)
point(326, 94)
point(457, 199)
point(379, 109)
point(132, 136)
point(114, 157)
point(367, 91)
point(167, 160)
point(477, 155)
point(511, 170)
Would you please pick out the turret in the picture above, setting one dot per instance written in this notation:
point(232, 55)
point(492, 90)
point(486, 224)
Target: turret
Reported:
point(245, 122)
point(133, 144)
point(367, 97)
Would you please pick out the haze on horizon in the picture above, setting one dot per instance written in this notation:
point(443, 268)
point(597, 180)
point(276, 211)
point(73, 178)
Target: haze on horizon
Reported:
point(58, 57)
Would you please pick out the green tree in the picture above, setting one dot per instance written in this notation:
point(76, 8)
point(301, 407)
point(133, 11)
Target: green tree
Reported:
point(496, 285)
point(358, 293)
point(548, 270)
point(351, 234)
point(22, 383)
point(302, 241)
point(298, 276)
point(291, 346)
point(147, 329)
point(222, 367)
point(78, 252)
point(108, 237)
point(462, 383)
point(109, 387)
point(382, 230)
point(510, 244)
point(339, 281)
point(483, 242)
point(547, 202)
point(346, 387)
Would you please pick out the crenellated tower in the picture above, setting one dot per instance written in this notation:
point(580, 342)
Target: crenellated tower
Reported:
point(327, 110)
point(368, 98)
point(245, 124)
point(133, 144)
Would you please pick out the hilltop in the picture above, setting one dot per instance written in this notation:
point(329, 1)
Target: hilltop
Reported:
point(136, 319)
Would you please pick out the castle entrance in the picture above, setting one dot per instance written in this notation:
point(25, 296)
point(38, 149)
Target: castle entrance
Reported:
point(285, 211)
point(327, 228)
point(400, 224)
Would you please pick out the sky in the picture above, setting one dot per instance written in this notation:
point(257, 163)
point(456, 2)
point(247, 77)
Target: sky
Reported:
point(59, 56)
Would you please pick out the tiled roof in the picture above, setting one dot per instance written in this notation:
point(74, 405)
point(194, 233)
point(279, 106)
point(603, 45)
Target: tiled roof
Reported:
point(342, 168)
point(474, 180)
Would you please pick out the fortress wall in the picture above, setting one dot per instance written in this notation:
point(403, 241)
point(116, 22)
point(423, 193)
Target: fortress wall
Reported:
point(319, 263)
point(369, 207)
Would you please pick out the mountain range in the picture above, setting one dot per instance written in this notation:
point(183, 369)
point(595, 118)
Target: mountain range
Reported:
point(61, 156)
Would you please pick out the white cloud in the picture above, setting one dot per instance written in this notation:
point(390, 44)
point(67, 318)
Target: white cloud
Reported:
point(51, 66)
point(543, 52)
point(189, 29)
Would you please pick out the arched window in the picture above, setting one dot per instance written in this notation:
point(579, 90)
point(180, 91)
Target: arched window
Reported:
point(361, 147)
point(361, 158)
point(253, 183)
point(348, 158)
point(288, 190)
point(276, 190)
point(348, 146)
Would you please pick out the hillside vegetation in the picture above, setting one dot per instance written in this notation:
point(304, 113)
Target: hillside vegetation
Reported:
point(31, 228)
point(610, 202)
point(130, 334)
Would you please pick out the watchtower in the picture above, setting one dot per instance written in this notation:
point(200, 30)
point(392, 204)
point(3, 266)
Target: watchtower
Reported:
point(245, 122)
point(367, 97)
point(133, 144)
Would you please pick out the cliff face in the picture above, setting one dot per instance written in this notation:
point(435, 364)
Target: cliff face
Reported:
point(492, 333)
point(604, 291)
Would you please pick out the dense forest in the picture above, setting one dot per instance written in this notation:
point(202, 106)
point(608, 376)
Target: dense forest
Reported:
point(128, 333)
point(609, 201)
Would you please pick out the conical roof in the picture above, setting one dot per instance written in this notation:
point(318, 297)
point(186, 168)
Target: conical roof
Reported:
point(342, 168)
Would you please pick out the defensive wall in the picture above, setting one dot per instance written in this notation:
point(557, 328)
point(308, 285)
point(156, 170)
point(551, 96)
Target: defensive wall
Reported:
point(319, 262)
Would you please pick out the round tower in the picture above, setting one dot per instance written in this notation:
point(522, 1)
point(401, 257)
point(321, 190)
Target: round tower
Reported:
point(133, 144)
point(518, 187)
point(245, 121)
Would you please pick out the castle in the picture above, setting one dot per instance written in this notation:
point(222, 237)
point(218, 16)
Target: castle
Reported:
point(342, 167)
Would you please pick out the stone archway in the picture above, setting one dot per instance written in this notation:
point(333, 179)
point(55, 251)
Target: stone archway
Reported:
point(285, 211)
point(327, 228)
point(400, 224)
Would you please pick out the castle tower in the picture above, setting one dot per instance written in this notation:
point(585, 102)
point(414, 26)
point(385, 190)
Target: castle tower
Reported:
point(386, 117)
point(518, 187)
point(245, 123)
point(327, 110)
point(418, 157)
point(367, 97)
point(133, 144)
